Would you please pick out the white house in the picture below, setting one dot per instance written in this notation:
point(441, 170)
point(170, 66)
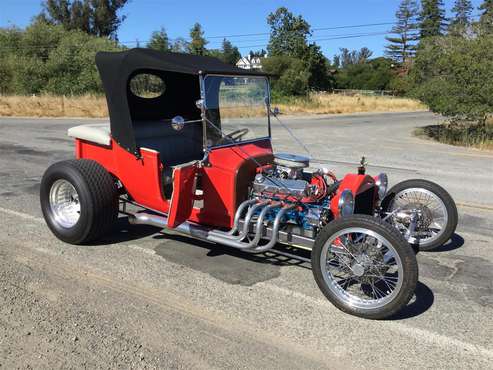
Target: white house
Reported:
point(249, 63)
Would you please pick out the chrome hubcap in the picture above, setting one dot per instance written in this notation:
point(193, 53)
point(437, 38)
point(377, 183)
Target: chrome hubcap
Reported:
point(429, 209)
point(361, 268)
point(64, 203)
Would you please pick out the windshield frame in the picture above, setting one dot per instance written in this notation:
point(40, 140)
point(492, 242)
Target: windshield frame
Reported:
point(203, 77)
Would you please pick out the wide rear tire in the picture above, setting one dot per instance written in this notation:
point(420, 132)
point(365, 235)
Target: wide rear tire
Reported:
point(79, 200)
point(364, 267)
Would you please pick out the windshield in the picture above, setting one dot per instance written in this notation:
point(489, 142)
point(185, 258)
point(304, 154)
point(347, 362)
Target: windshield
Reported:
point(238, 107)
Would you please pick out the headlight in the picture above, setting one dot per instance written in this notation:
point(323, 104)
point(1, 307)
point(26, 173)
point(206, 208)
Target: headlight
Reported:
point(382, 182)
point(346, 203)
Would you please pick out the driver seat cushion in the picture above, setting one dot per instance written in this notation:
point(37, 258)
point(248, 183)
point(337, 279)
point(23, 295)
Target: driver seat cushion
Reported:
point(174, 147)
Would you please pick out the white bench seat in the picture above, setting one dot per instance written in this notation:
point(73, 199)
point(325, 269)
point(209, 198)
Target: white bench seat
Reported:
point(98, 133)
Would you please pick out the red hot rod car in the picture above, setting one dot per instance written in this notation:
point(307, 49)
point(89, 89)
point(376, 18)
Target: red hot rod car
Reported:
point(189, 144)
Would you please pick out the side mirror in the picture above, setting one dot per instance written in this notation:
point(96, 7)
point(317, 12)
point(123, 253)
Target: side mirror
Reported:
point(276, 111)
point(177, 122)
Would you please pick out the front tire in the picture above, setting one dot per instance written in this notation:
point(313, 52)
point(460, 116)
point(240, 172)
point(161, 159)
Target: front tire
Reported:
point(438, 216)
point(79, 200)
point(364, 267)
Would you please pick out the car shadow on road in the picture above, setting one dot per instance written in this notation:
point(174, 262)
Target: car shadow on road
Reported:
point(455, 242)
point(422, 301)
point(216, 250)
point(125, 232)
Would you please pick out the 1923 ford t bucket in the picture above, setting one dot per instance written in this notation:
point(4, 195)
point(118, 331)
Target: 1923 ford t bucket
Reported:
point(196, 157)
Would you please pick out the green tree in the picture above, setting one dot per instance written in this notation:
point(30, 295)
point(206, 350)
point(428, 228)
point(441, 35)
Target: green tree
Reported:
point(454, 76)
point(230, 53)
point(402, 46)
point(198, 42)
point(96, 17)
point(432, 18)
point(461, 22)
point(257, 53)
point(70, 69)
point(486, 19)
point(290, 77)
point(50, 59)
point(288, 34)
point(159, 40)
point(180, 45)
point(317, 66)
point(376, 74)
point(349, 57)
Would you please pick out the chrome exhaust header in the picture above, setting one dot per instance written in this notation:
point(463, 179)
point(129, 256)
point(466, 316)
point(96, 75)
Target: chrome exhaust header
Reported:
point(207, 234)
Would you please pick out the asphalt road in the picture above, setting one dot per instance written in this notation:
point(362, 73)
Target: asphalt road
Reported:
point(143, 299)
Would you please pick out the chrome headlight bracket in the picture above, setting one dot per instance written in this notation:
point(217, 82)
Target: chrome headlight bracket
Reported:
point(382, 182)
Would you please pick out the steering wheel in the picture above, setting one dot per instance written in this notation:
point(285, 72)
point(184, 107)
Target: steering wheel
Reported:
point(235, 135)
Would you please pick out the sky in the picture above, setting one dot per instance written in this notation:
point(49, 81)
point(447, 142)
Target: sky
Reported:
point(239, 17)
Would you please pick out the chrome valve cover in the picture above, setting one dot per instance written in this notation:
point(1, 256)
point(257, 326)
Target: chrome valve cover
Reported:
point(274, 185)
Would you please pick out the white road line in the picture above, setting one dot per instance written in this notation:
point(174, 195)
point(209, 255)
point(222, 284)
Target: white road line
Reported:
point(21, 215)
point(422, 335)
point(416, 333)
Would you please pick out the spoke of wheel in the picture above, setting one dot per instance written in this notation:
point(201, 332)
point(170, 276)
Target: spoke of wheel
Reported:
point(391, 288)
point(375, 295)
point(346, 282)
point(383, 294)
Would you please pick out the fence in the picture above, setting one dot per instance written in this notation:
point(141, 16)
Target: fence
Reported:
point(350, 92)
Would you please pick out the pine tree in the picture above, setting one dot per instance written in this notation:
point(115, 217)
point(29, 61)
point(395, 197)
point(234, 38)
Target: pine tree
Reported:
point(432, 18)
point(230, 53)
point(402, 47)
point(198, 42)
point(159, 40)
point(486, 19)
point(461, 22)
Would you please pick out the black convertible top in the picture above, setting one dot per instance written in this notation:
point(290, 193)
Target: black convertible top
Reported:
point(180, 73)
point(166, 61)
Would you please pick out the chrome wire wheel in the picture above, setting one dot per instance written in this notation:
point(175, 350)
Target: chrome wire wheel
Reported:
point(361, 268)
point(64, 203)
point(431, 214)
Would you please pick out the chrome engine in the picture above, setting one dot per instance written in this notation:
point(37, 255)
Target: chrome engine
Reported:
point(277, 186)
point(284, 178)
point(285, 181)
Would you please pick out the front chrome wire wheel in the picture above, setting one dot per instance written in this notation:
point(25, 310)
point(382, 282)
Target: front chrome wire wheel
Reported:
point(64, 203)
point(419, 214)
point(361, 268)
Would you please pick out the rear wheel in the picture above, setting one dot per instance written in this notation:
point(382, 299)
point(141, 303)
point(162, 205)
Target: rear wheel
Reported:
point(79, 200)
point(364, 267)
point(434, 210)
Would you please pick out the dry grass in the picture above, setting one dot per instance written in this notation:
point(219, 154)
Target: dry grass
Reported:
point(326, 103)
point(95, 106)
point(473, 135)
point(53, 106)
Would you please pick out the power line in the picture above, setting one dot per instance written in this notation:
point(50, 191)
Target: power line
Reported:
point(263, 45)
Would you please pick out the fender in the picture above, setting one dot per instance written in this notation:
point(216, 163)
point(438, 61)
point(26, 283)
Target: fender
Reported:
point(354, 182)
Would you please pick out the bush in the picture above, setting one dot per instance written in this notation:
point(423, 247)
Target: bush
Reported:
point(49, 59)
point(376, 74)
point(454, 76)
point(290, 76)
